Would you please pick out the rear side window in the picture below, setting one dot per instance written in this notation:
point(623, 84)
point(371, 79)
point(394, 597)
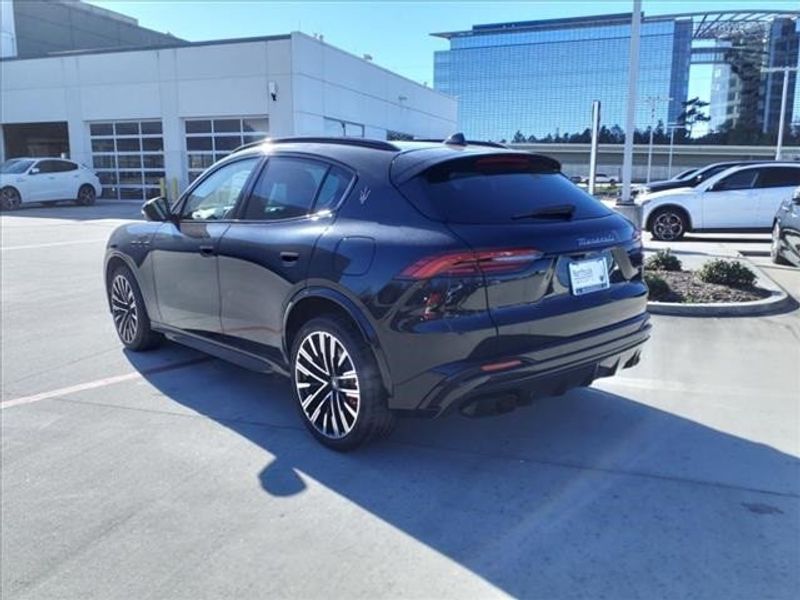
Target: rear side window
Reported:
point(496, 189)
point(779, 177)
point(294, 187)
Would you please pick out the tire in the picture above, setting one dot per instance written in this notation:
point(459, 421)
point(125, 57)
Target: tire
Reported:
point(86, 196)
point(9, 199)
point(337, 385)
point(668, 224)
point(129, 313)
point(774, 248)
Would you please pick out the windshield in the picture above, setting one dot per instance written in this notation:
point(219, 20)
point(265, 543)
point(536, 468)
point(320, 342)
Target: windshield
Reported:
point(496, 189)
point(15, 166)
point(685, 174)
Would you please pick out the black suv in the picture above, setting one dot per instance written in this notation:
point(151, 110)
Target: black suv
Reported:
point(387, 278)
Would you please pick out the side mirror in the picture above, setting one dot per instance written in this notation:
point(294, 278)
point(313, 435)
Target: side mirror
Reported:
point(156, 209)
point(34, 171)
point(796, 196)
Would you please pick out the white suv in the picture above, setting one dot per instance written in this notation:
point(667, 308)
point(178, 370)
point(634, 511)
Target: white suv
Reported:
point(24, 180)
point(742, 198)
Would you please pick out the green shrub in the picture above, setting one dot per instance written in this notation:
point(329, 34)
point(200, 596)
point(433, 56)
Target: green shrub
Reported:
point(727, 272)
point(658, 289)
point(663, 260)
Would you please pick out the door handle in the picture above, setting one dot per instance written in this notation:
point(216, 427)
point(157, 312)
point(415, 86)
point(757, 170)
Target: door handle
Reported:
point(207, 250)
point(289, 258)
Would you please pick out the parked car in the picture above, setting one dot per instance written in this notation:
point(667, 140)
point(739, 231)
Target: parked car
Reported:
point(29, 180)
point(693, 179)
point(742, 198)
point(387, 278)
point(600, 178)
point(786, 231)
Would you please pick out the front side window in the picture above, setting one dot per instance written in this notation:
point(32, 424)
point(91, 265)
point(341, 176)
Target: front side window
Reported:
point(286, 189)
point(214, 198)
point(779, 177)
point(741, 180)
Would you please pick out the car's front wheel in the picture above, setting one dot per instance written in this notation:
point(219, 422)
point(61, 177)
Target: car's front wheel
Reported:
point(337, 385)
point(86, 196)
point(775, 247)
point(668, 224)
point(128, 310)
point(9, 199)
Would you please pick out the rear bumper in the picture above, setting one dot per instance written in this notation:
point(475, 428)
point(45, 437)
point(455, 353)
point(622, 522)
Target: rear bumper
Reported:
point(547, 371)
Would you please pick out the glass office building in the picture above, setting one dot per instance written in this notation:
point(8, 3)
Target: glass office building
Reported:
point(540, 77)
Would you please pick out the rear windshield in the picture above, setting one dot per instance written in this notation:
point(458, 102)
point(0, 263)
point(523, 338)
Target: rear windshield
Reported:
point(498, 189)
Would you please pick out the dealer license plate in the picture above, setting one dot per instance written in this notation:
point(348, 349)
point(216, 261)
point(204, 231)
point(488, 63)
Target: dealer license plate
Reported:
point(588, 275)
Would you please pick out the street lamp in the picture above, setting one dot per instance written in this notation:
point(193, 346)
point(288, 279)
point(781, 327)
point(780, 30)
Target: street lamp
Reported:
point(652, 101)
point(784, 97)
point(672, 127)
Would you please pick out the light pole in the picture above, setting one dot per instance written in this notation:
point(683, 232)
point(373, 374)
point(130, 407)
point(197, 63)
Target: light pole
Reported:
point(630, 112)
point(784, 96)
point(652, 101)
point(672, 127)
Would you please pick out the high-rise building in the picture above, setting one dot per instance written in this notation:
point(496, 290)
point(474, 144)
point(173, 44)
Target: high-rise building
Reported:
point(540, 77)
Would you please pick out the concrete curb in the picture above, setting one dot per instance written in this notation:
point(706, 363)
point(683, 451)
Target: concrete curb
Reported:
point(779, 301)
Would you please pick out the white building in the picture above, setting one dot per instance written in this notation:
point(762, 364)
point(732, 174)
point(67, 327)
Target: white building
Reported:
point(139, 115)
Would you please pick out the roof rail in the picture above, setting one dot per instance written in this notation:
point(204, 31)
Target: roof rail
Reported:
point(467, 142)
point(342, 141)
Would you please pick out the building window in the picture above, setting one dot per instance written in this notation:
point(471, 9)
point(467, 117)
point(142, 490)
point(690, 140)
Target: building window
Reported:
point(209, 140)
point(128, 157)
point(337, 128)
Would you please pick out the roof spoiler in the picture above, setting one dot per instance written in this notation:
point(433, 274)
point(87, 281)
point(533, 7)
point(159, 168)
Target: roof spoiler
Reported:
point(458, 139)
point(342, 141)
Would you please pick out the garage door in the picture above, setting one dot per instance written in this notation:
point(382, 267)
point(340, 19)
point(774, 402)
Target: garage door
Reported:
point(209, 140)
point(128, 157)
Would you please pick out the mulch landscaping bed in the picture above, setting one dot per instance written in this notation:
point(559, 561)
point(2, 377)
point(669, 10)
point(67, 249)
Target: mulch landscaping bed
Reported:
point(687, 287)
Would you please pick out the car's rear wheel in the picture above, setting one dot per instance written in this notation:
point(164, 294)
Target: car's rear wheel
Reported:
point(9, 199)
point(668, 224)
point(86, 196)
point(128, 310)
point(775, 247)
point(337, 385)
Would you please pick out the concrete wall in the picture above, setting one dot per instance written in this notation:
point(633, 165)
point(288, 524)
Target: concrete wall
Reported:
point(43, 27)
point(332, 83)
point(313, 81)
point(574, 158)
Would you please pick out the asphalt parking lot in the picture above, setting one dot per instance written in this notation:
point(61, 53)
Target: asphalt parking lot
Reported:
point(172, 475)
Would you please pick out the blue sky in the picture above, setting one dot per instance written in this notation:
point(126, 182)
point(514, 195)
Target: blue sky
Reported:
point(396, 34)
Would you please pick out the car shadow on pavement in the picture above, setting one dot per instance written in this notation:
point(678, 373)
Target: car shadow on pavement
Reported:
point(589, 494)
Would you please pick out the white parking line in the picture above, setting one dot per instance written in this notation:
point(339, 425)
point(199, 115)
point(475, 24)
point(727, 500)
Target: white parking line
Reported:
point(81, 387)
point(51, 244)
point(99, 383)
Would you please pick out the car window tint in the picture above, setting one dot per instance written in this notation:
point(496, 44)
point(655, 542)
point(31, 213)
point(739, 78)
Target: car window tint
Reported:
point(217, 194)
point(741, 180)
point(285, 189)
point(65, 165)
point(333, 188)
point(496, 189)
point(48, 166)
point(779, 177)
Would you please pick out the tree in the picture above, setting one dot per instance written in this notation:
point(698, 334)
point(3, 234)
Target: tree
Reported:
point(692, 114)
point(519, 138)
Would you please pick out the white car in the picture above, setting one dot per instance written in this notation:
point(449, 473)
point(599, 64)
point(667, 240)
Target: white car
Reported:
point(25, 180)
point(742, 198)
point(600, 178)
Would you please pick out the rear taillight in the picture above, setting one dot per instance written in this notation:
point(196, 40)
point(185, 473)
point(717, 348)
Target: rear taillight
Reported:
point(466, 264)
